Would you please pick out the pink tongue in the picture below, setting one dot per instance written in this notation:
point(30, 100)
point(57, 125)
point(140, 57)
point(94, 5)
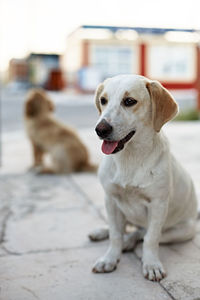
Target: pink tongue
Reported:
point(108, 147)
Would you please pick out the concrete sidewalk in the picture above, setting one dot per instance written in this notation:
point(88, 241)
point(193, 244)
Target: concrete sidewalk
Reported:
point(44, 250)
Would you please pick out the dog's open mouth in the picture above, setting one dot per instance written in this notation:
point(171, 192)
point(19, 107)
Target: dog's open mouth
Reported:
point(111, 147)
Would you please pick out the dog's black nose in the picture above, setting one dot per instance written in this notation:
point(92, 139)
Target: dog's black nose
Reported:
point(103, 129)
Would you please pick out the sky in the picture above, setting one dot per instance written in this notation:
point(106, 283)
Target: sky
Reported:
point(43, 25)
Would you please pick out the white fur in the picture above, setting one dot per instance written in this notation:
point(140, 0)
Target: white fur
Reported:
point(144, 184)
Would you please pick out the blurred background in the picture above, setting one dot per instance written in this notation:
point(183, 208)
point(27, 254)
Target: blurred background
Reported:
point(68, 47)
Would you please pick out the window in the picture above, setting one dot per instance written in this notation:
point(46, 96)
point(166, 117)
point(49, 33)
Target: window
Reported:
point(172, 62)
point(112, 60)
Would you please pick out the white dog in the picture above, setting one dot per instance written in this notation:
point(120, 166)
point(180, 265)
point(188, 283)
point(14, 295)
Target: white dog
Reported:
point(143, 182)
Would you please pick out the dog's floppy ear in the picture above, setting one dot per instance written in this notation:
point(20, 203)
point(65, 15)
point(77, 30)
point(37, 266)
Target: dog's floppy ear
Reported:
point(97, 94)
point(164, 107)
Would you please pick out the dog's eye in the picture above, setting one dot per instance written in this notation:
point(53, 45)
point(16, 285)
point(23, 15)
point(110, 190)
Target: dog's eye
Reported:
point(129, 101)
point(103, 101)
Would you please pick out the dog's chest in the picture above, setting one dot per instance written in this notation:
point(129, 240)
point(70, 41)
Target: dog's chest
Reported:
point(31, 129)
point(133, 202)
point(35, 134)
point(132, 173)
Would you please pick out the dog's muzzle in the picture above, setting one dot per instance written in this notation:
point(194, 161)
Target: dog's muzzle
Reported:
point(109, 146)
point(122, 142)
point(103, 129)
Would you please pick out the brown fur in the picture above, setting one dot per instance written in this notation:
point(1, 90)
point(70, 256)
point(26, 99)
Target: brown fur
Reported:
point(135, 107)
point(48, 135)
point(127, 94)
point(164, 108)
point(105, 95)
point(97, 95)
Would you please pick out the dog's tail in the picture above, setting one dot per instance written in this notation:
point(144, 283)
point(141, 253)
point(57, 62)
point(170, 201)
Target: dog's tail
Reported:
point(89, 167)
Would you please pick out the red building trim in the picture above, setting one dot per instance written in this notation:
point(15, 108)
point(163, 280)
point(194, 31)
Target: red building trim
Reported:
point(179, 85)
point(143, 59)
point(85, 54)
point(198, 78)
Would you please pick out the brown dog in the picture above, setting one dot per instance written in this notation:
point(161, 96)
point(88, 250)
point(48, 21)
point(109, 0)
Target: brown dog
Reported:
point(47, 135)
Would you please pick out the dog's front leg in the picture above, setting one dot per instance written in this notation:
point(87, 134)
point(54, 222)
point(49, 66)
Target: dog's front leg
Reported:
point(37, 155)
point(116, 220)
point(152, 267)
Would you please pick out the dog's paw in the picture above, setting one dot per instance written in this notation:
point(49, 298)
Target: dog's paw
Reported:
point(105, 265)
point(99, 234)
point(154, 271)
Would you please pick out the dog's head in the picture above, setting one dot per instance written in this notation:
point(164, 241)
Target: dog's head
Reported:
point(128, 104)
point(38, 103)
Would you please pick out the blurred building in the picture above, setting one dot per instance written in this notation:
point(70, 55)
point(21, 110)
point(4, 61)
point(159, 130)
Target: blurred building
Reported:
point(18, 70)
point(40, 66)
point(55, 80)
point(38, 70)
point(96, 52)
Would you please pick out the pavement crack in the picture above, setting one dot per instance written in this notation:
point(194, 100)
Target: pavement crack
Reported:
point(84, 196)
point(4, 226)
point(169, 294)
point(30, 291)
point(43, 251)
point(10, 252)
